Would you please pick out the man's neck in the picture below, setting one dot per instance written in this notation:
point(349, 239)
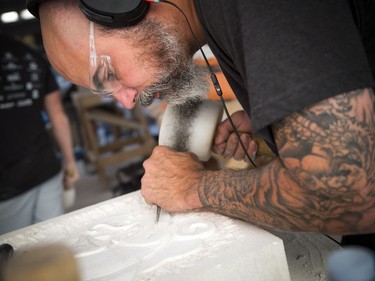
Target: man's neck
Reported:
point(188, 8)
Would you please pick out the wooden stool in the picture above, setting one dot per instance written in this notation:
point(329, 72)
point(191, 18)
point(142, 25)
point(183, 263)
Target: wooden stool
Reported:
point(129, 129)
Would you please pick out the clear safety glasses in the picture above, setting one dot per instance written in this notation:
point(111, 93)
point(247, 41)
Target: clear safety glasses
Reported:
point(103, 79)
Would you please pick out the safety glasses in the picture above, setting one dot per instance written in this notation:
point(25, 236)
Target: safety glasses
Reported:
point(103, 79)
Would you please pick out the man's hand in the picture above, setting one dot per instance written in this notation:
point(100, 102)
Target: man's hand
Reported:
point(226, 141)
point(71, 175)
point(171, 180)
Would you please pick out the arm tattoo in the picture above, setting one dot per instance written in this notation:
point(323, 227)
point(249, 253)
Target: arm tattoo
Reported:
point(323, 179)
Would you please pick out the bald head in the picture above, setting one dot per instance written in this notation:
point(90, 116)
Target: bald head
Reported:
point(58, 7)
point(65, 37)
point(63, 18)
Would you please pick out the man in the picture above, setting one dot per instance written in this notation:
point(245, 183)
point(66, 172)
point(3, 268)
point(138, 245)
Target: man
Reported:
point(31, 181)
point(300, 69)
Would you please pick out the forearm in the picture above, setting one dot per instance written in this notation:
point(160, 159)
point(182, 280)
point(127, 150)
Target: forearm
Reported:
point(271, 198)
point(63, 136)
point(323, 181)
point(60, 127)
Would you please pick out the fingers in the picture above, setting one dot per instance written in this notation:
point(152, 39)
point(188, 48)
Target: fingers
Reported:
point(223, 131)
point(71, 175)
point(145, 199)
point(233, 149)
point(251, 151)
point(240, 153)
point(68, 184)
point(171, 179)
point(226, 141)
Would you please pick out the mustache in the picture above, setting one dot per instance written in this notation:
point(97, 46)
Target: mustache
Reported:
point(186, 84)
point(147, 96)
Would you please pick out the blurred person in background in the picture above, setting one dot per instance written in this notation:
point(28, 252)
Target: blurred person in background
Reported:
point(31, 177)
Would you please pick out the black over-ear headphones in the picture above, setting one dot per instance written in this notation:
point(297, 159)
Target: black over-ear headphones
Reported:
point(111, 13)
point(114, 13)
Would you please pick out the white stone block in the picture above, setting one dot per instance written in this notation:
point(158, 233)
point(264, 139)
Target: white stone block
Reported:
point(119, 240)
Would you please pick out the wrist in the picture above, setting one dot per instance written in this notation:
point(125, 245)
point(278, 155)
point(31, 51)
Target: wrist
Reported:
point(209, 188)
point(203, 188)
point(192, 196)
point(70, 166)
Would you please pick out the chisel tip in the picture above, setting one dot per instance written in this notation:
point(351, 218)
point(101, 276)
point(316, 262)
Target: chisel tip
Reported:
point(158, 210)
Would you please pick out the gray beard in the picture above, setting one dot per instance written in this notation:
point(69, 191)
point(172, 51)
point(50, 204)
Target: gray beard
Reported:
point(179, 80)
point(187, 84)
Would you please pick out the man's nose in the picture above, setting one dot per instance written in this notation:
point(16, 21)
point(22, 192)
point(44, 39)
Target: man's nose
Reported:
point(126, 96)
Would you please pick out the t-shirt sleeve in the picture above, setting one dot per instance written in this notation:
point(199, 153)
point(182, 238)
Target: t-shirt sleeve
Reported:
point(282, 56)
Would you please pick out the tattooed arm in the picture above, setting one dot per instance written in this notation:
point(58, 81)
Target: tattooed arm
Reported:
point(323, 179)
